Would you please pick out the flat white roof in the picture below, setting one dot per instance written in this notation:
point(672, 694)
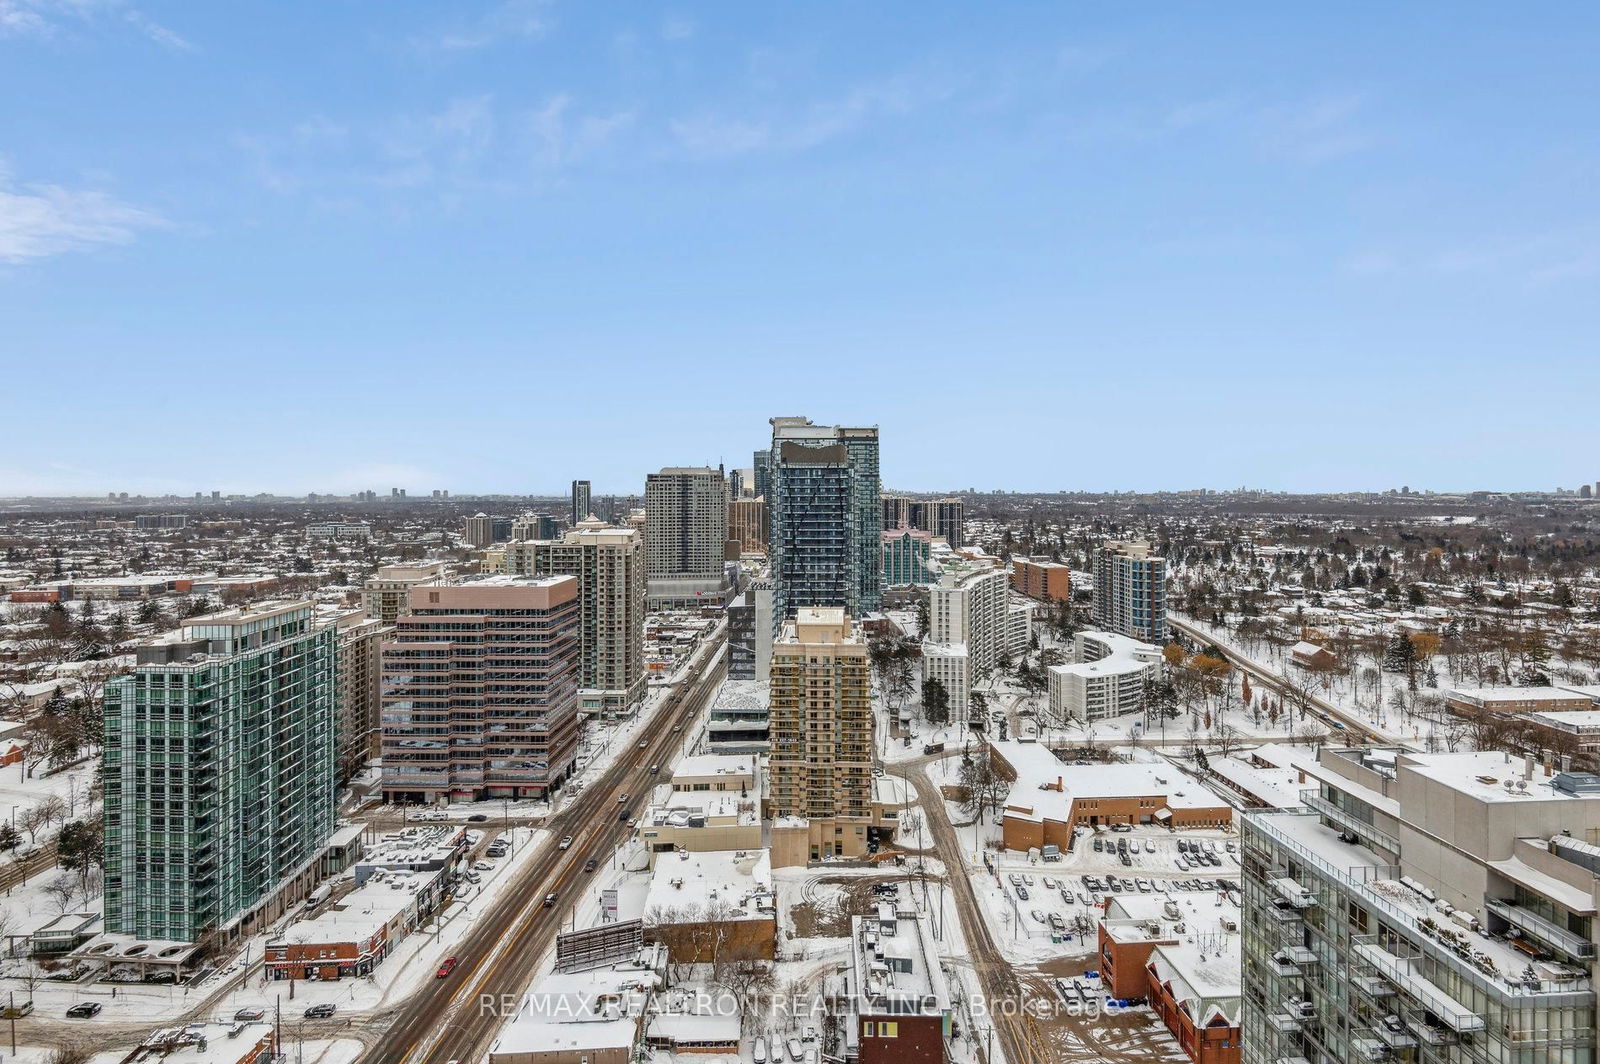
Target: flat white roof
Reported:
point(739, 879)
point(1036, 765)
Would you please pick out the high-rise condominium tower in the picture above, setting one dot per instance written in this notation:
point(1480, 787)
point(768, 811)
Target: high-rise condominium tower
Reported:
point(1130, 591)
point(821, 721)
point(826, 516)
point(609, 566)
point(219, 774)
point(580, 500)
point(686, 532)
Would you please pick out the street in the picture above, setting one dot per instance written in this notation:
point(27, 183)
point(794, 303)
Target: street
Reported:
point(444, 1021)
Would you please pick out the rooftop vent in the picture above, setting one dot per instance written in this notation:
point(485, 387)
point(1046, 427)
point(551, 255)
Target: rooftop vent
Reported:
point(1577, 783)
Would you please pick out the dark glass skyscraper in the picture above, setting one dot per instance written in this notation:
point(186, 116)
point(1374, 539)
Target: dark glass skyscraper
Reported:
point(826, 517)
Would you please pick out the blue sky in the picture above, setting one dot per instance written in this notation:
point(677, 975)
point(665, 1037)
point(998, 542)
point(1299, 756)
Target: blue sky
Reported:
point(493, 246)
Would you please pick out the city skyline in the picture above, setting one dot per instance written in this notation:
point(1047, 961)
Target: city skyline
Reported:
point(1316, 243)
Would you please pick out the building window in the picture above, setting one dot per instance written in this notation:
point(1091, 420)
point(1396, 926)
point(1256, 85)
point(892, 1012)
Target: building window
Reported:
point(888, 1030)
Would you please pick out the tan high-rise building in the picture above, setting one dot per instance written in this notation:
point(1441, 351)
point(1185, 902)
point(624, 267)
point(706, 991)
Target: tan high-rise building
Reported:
point(480, 691)
point(747, 524)
point(387, 592)
point(478, 530)
point(821, 761)
point(609, 565)
point(358, 661)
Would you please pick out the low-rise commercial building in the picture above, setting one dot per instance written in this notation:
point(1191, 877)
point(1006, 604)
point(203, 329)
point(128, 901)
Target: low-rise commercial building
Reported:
point(739, 721)
point(898, 1001)
point(1181, 954)
point(716, 903)
point(1473, 701)
point(1049, 798)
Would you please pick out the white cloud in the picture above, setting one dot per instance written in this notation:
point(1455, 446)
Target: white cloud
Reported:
point(46, 18)
point(1549, 258)
point(506, 20)
point(710, 134)
point(1317, 130)
point(565, 138)
point(41, 220)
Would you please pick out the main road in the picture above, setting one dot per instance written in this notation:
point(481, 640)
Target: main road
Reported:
point(451, 1019)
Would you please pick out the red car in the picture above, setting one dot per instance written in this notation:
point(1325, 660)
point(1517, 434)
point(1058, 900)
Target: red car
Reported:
point(447, 967)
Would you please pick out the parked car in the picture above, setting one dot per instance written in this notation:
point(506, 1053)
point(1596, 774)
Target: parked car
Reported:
point(446, 968)
point(482, 866)
point(321, 1011)
point(1149, 845)
point(1144, 885)
point(85, 1010)
point(1015, 878)
point(1039, 916)
point(250, 1015)
point(478, 818)
point(1022, 893)
point(1099, 844)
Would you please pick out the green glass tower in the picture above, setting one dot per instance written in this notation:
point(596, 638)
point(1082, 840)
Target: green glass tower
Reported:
point(219, 772)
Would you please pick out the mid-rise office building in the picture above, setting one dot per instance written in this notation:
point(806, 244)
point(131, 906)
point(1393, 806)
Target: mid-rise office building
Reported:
point(821, 726)
point(686, 536)
point(906, 552)
point(387, 593)
point(826, 516)
point(358, 662)
point(480, 690)
point(580, 502)
point(1428, 908)
point(609, 566)
point(219, 774)
point(747, 524)
point(1044, 581)
point(1130, 591)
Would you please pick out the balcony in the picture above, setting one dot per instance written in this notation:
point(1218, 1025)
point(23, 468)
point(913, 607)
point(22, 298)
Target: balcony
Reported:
point(1360, 828)
point(1293, 893)
point(1394, 1038)
point(1406, 974)
point(1285, 912)
point(1570, 943)
point(1284, 1023)
point(1280, 965)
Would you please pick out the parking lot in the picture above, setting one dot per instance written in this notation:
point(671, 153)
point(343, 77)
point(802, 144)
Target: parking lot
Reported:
point(1041, 909)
